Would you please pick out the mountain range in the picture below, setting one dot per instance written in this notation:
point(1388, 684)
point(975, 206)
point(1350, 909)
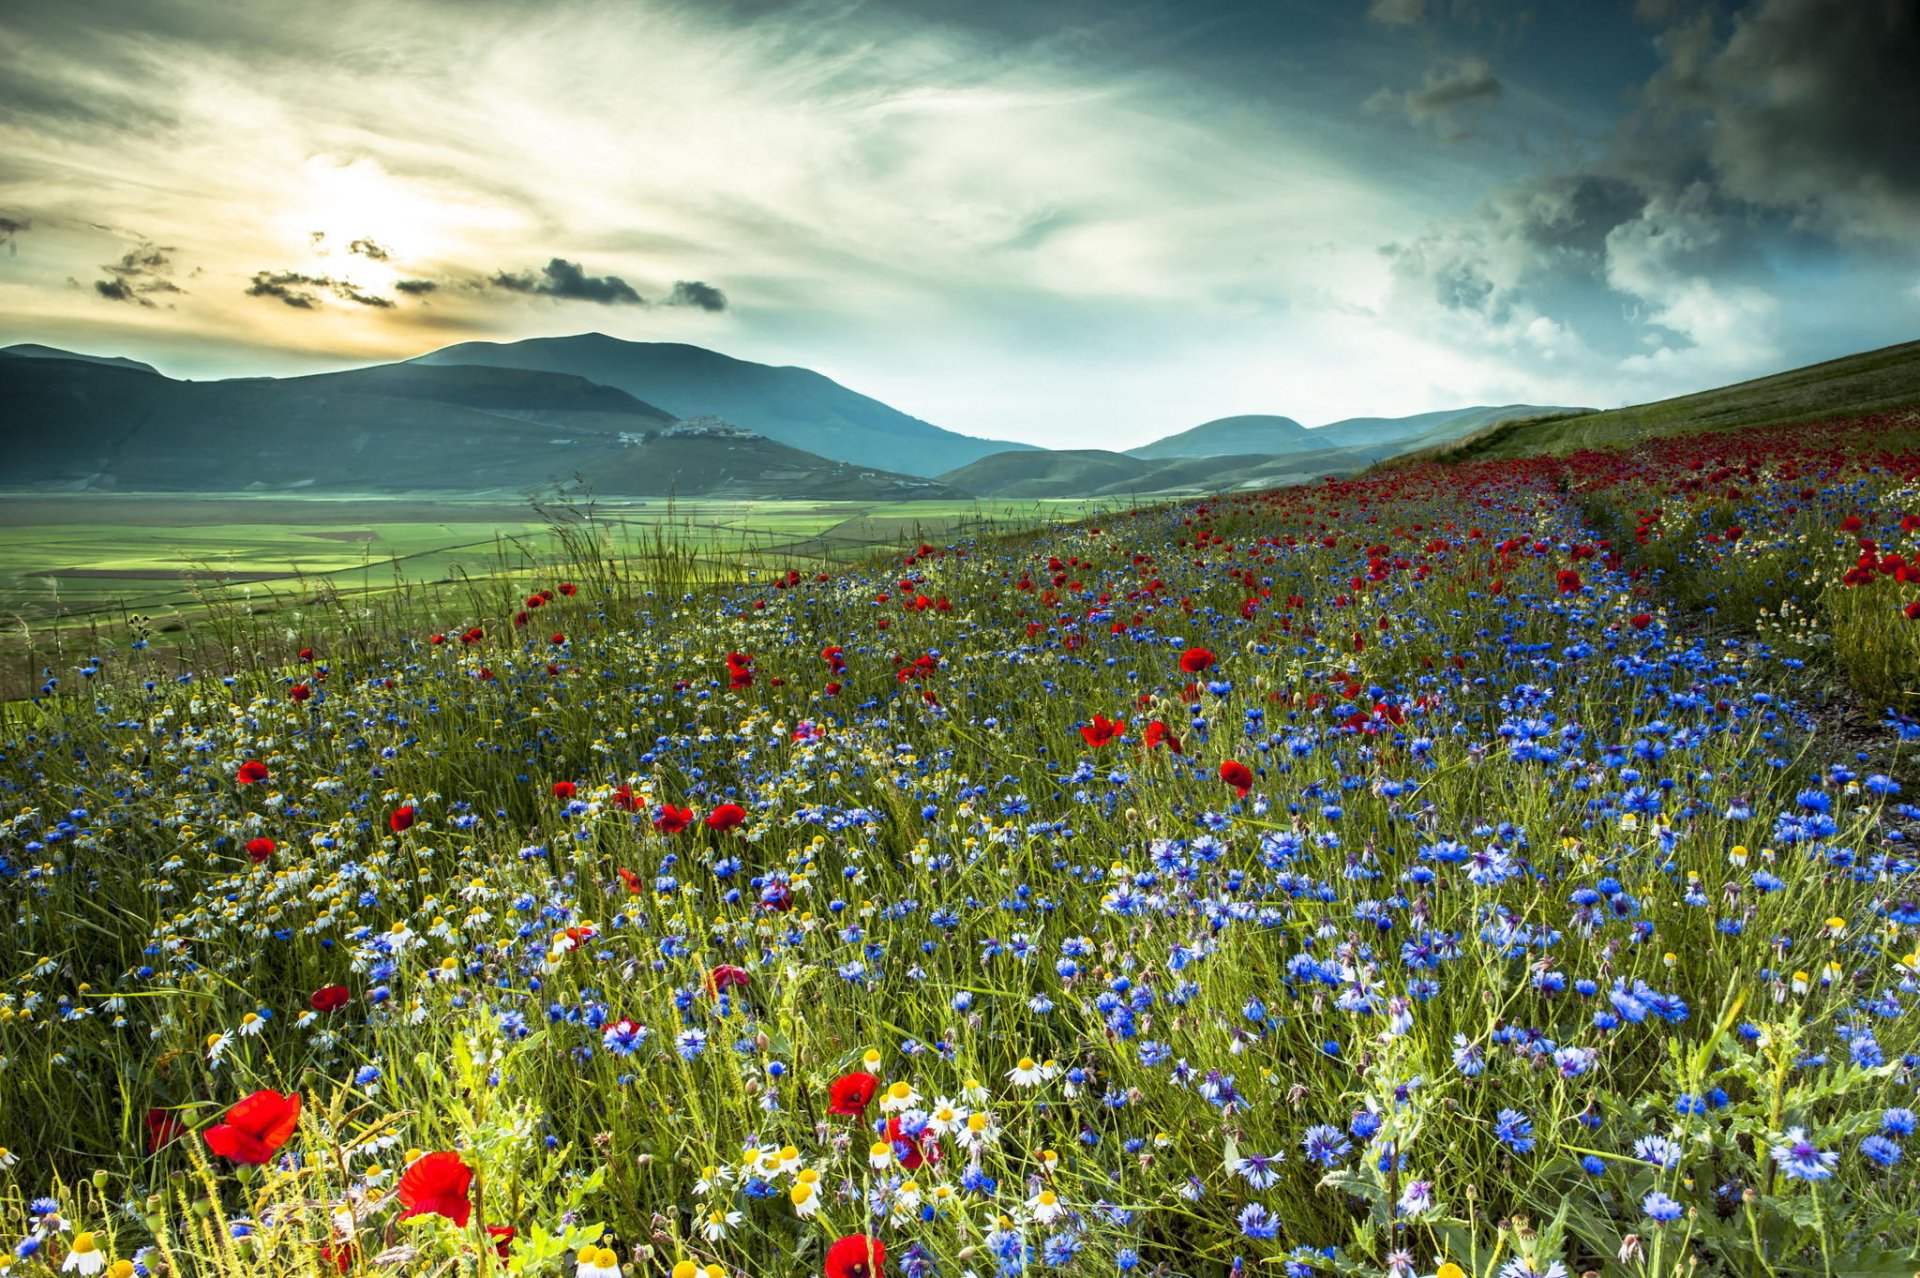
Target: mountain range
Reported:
point(633, 418)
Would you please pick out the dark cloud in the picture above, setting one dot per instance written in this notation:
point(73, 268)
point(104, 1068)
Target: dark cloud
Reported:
point(1447, 89)
point(416, 288)
point(142, 271)
point(370, 249)
point(569, 280)
point(10, 228)
point(694, 293)
point(297, 289)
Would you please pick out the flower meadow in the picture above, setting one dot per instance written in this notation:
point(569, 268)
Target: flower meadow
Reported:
point(1450, 871)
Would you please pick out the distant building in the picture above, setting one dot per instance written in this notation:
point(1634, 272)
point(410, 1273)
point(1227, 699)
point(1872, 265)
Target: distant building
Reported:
point(708, 427)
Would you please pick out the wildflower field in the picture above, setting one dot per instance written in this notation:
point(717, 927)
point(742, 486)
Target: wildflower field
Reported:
point(1490, 869)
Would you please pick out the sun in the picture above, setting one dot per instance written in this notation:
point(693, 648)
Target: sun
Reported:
point(368, 222)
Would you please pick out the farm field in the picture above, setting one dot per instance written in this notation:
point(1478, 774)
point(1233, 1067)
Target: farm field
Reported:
point(79, 558)
point(1502, 869)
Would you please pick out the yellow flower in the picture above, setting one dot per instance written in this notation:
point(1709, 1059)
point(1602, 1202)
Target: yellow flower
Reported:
point(1450, 1270)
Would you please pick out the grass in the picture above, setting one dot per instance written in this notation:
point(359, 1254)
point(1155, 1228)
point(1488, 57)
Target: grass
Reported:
point(1871, 382)
point(1544, 931)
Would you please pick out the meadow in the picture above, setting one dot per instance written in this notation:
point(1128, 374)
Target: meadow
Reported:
point(1495, 869)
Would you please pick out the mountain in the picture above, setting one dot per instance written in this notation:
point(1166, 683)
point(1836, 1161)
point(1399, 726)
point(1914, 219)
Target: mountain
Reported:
point(79, 425)
point(1377, 437)
point(795, 406)
point(33, 350)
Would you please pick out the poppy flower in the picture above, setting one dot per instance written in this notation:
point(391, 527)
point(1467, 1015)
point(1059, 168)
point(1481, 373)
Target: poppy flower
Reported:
point(329, 998)
point(632, 880)
point(726, 817)
point(251, 771)
point(300, 692)
point(913, 1151)
point(567, 588)
point(502, 1236)
point(1194, 660)
point(856, 1256)
point(1158, 733)
point(563, 789)
point(402, 819)
point(1640, 621)
point(725, 977)
point(1568, 580)
point(672, 820)
point(306, 654)
point(624, 800)
point(776, 896)
point(255, 1127)
point(258, 850)
point(1103, 730)
point(163, 1128)
point(1237, 775)
point(850, 1094)
point(437, 1185)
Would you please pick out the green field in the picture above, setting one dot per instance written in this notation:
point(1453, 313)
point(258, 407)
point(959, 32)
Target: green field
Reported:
point(97, 558)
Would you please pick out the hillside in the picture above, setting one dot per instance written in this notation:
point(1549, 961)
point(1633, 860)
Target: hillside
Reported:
point(1872, 381)
point(1373, 437)
point(89, 426)
point(793, 405)
point(1090, 472)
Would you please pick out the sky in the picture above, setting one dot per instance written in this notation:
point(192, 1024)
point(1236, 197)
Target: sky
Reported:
point(1075, 223)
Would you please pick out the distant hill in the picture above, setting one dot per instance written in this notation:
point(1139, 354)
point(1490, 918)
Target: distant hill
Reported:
point(1088, 472)
point(74, 425)
point(795, 406)
point(1375, 436)
point(1870, 382)
point(33, 350)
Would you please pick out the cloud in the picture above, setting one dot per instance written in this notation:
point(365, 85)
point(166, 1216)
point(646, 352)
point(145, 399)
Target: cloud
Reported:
point(416, 288)
point(1397, 13)
point(1448, 88)
point(10, 228)
point(142, 271)
point(369, 248)
point(695, 293)
point(569, 280)
point(296, 289)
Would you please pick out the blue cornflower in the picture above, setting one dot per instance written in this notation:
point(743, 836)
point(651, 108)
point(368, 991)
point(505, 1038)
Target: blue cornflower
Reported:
point(1660, 1207)
point(1801, 1159)
point(1899, 1122)
point(1514, 1130)
point(1257, 1222)
point(1880, 1150)
point(1325, 1144)
point(690, 1043)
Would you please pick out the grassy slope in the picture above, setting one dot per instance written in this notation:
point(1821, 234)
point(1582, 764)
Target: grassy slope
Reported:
point(1872, 381)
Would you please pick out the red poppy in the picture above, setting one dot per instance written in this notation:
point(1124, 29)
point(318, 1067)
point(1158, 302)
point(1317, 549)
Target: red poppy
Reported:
point(162, 1129)
point(255, 1127)
point(624, 800)
point(329, 998)
point(1158, 733)
point(1237, 775)
point(1640, 621)
point(563, 789)
point(258, 850)
point(567, 588)
point(402, 819)
point(1912, 611)
point(726, 817)
point(1103, 730)
point(776, 896)
point(632, 881)
point(300, 692)
point(558, 638)
point(913, 1151)
point(856, 1256)
point(437, 1185)
point(835, 657)
point(1194, 660)
point(672, 820)
point(502, 1234)
point(251, 771)
point(850, 1094)
point(725, 977)
point(1568, 580)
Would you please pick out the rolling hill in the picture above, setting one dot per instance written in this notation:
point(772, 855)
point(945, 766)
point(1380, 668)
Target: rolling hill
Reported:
point(1375, 437)
point(1090, 472)
point(33, 350)
point(795, 406)
point(1869, 382)
point(81, 425)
